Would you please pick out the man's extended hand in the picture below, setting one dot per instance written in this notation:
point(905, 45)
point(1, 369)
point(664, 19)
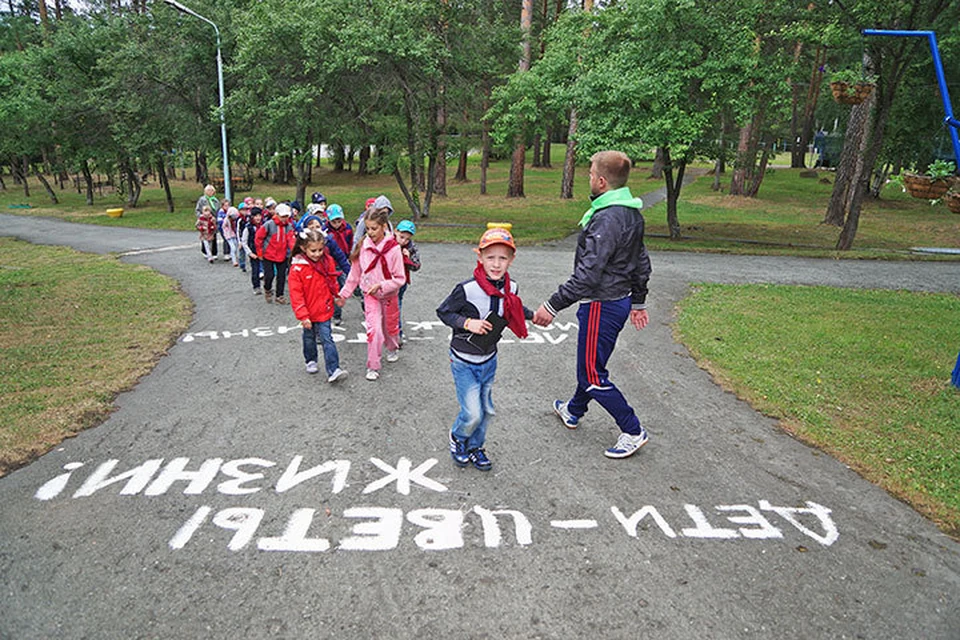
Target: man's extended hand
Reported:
point(542, 317)
point(639, 318)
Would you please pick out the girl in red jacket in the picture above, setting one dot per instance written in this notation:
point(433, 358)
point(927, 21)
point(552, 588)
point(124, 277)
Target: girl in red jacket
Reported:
point(313, 295)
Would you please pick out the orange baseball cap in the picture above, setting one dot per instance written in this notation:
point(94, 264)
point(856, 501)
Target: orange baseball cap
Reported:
point(496, 235)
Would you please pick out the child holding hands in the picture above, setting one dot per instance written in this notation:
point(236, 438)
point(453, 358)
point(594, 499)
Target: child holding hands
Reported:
point(313, 294)
point(478, 310)
point(376, 267)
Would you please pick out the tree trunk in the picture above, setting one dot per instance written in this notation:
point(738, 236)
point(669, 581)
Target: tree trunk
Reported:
point(461, 167)
point(746, 154)
point(133, 180)
point(20, 169)
point(304, 161)
point(485, 144)
point(363, 165)
point(88, 179)
point(867, 161)
point(515, 188)
point(569, 158)
point(536, 151)
point(431, 180)
point(545, 156)
point(203, 173)
point(850, 158)
point(804, 133)
point(46, 185)
point(412, 200)
point(757, 178)
point(338, 156)
point(165, 182)
point(673, 193)
point(657, 170)
point(440, 160)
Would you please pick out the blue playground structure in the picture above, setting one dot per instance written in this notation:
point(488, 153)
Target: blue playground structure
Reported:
point(952, 123)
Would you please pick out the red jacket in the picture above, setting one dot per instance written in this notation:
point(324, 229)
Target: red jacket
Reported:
point(313, 286)
point(275, 239)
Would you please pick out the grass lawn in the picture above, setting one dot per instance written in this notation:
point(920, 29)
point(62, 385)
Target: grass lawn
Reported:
point(75, 330)
point(863, 375)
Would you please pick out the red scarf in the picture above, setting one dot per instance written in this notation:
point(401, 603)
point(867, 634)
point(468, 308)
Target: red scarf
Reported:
point(512, 305)
point(381, 256)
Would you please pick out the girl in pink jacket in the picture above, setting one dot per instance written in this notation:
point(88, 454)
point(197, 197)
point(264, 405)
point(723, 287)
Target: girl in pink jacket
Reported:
point(376, 266)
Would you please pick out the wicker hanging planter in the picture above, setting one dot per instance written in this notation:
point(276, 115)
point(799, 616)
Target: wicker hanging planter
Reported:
point(924, 187)
point(851, 92)
point(952, 200)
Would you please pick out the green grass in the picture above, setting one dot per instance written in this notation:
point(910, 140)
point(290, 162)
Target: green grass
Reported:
point(75, 330)
point(784, 220)
point(862, 374)
point(787, 217)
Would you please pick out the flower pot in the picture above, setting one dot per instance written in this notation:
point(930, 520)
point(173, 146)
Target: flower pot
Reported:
point(952, 200)
point(851, 93)
point(115, 213)
point(924, 187)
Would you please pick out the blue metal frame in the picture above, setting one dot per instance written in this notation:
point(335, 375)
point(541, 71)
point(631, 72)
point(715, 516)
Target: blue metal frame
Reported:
point(931, 37)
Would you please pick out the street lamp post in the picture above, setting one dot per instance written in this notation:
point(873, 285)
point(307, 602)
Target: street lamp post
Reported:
point(227, 187)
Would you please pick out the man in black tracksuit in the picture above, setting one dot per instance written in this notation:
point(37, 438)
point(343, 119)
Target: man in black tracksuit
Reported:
point(610, 273)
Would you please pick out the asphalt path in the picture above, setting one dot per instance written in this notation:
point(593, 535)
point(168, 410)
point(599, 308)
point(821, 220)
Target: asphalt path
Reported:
point(233, 495)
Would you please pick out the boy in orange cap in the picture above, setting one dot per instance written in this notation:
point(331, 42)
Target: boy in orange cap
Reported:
point(478, 310)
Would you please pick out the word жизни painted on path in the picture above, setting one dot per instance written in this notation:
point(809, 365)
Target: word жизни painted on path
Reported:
point(377, 528)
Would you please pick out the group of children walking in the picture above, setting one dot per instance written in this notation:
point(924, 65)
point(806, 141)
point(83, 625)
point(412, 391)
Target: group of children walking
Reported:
point(325, 261)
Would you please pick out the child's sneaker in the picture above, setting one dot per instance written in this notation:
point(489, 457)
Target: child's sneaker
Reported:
point(372, 374)
point(268, 296)
point(569, 420)
point(281, 300)
point(480, 460)
point(257, 291)
point(458, 451)
point(336, 375)
point(627, 445)
point(337, 321)
point(312, 367)
point(392, 356)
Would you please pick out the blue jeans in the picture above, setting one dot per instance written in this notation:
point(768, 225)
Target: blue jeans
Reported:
point(600, 324)
point(320, 332)
point(474, 384)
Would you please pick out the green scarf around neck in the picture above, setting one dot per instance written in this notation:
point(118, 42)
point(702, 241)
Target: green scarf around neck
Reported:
point(621, 196)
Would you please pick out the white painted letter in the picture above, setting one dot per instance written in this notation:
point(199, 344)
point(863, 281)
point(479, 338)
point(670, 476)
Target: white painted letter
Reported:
point(52, 488)
point(765, 529)
point(175, 470)
point(138, 478)
point(630, 524)
point(294, 537)
point(491, 527)
point(242, 520)
point(822, 513)
point(381, 535)
point(704, 529)
point(183, 535)
point(232, 469)
point(442, 528)
point(404, 476)
point(293, 476)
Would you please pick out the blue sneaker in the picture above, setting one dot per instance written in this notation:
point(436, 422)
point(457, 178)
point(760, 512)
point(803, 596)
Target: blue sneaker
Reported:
point(627, 445)
point(458, 451)
point(480, 460)
point(568, 419)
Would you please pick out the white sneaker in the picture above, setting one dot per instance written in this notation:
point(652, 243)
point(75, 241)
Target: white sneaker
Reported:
point(372, 374)
point(627, 445)
point(336, 375)
point(393, 356)
point(312, 367)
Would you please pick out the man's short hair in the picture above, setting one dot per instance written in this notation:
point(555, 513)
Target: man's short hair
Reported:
point(612, 165)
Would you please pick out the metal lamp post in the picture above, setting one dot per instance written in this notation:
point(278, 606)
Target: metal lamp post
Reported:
point(227, 187)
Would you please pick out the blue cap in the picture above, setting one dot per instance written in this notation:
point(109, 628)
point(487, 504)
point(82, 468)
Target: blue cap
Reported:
point(317, 198)
point(334, 212)
point(408, 226)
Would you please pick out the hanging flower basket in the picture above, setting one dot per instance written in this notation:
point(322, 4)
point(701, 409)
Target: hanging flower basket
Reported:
point(924, 187)
point(851, 92)
point(952, 200)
